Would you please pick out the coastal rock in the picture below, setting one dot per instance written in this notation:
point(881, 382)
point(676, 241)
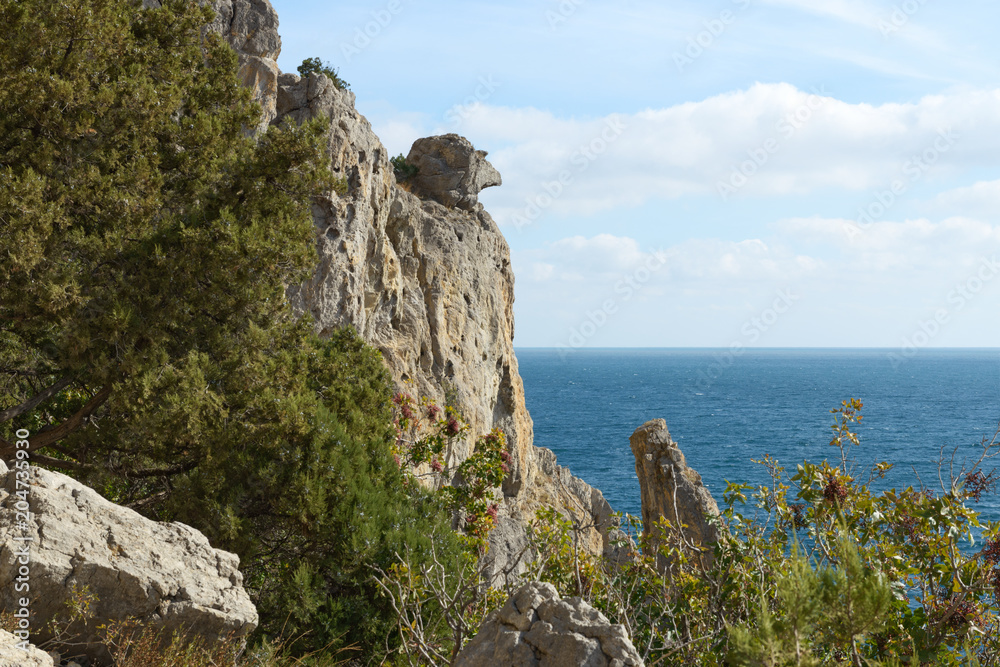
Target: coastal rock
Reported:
point(672, 490)
point(12, 655)
point(423, 276)
point(537, 628)
point(166, 575)
point(431, 287)
point(451, 171)
point(251, 28)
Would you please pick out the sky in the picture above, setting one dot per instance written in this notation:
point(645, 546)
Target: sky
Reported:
point(723, 173)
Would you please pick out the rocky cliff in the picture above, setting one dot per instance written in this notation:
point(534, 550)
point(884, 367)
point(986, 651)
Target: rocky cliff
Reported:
point(421, 271)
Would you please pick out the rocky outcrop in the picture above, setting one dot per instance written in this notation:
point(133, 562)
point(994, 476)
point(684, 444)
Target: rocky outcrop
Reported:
point(537, 629)
point(450, 171)
point(13, 655)
point(427, 280)
point(166, 575)
point(673, 491)
point(251, 27)
point(422, 272)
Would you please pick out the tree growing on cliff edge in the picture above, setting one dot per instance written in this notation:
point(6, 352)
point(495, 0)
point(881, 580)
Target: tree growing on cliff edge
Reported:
point(141, 224)
point(145, 341)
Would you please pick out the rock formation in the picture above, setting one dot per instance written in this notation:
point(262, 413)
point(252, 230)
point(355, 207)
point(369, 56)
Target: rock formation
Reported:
point(451, 171)
point(12, 655)
point(537, 629)
point(166, 575)
point(425, 277)
point(672, 490)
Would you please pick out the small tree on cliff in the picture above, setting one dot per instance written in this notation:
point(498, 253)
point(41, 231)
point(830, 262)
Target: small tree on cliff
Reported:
point(145, 341)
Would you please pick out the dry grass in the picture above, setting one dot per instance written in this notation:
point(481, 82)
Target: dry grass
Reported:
point(133, 644)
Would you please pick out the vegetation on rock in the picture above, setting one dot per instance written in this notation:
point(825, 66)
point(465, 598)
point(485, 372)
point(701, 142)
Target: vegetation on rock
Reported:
point(317, 66)
point(145, 339)
point(403, 168)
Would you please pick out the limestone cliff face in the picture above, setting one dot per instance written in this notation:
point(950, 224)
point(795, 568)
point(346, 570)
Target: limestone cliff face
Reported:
point(424, 276)
point(251, 27)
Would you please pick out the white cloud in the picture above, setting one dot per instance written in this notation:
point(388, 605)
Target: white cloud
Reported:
point(863, 290)
point(771, 139)
point(852, 11)
point(981, 200)
point(603, 260)
point(915, 250)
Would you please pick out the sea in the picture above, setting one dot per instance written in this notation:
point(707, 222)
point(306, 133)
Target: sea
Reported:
point(728, 409)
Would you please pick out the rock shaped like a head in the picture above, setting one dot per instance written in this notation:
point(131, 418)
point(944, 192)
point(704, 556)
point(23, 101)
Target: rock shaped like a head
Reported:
point(451, 171)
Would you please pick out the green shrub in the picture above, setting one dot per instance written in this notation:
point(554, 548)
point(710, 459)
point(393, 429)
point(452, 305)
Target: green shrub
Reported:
point(818, 568)
point(403, 169)
point(317, 66)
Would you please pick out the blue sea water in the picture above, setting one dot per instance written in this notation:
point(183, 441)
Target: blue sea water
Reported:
point(726, 410)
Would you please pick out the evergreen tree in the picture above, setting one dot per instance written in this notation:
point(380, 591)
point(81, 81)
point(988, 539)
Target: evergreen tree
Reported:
point(146, 240)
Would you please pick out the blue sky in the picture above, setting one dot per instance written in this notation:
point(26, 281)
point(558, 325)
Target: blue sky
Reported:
point(737, 172)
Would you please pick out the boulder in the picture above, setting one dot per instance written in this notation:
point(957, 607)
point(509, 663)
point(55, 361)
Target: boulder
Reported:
point(165, 575)
point(450, 171)
point(672, 490)
point(537, 628)
point(13, 655)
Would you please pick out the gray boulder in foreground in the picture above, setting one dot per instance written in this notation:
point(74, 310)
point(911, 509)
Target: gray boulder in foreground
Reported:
point(537, 628)
point(12, 655)
point(165, 575)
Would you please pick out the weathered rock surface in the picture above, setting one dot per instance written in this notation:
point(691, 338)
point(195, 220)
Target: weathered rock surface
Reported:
point(12, 655)
point(672, 490)
point(424, 276)
point(430, 285)
point(451, 171)
point(166, 575)
point(251, 27)
point(537, 628)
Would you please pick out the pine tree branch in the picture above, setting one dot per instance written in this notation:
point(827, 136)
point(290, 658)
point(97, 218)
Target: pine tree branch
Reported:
point(32, 403)
point(53, 435)
point(162, 472)
point(62, 464)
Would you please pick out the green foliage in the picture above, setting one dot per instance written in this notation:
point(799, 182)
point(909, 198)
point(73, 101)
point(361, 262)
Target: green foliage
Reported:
point(317, 66)
point(423, 432)
point(341, 186)
point(818, 568)
point(145, 338)
point(403, 169)
point(143, 229)
point(837, 606)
